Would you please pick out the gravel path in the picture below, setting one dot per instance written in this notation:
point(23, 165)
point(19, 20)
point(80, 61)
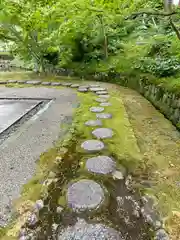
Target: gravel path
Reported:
point(19, 152)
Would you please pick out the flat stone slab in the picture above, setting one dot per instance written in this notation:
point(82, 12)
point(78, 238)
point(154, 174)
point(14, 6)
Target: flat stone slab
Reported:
point(92, 145)
point(102, 133)
point(85, 231)
point(104, 115)
point(105, 104)
point(85, 195)
point(94, 86)
point(102, 93)
point(101, 165)
point(93, 123)
point(3, 82)
point(101, 100)
point(55, 84)
point(84, 86)
point(74, 85)
point(104, 96)
point(96, 89)
point(96, 109)
point(21, 81)
point(33, 82)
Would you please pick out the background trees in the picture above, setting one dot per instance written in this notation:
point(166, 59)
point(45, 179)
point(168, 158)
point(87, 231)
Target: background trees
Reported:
point(93, 36)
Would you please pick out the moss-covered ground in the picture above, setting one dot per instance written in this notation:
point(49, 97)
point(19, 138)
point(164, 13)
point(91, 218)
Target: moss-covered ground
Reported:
point(145, 144)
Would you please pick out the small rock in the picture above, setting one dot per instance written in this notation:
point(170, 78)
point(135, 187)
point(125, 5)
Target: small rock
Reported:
point(39, 204)
point(117, 175)
point(96, 109)
point(32, 220)
point(93, 123)
point(59, 209)
point(161, 234)
point(54, 227)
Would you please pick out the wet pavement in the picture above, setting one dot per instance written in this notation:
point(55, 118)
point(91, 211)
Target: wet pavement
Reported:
point(12, 110)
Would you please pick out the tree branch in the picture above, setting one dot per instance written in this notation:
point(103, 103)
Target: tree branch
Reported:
point(135, 15)
point(174, 28)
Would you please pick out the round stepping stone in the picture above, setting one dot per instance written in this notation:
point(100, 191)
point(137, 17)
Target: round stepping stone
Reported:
point(21, 82)
point(96, 109)
point(33, 82)
point(75, 85)
point(45, 83)
point(92, 145)
point(97, 89)
point(100, 164)
point(105, 104)
point(84, 86)
point(85, 195)
point(55, 84)
point(104, 96)
point(82, 89)
point(101, 92)
point(104, 115)
point(88, 231)
point(101, 100)
point(3, 82)
point(93, 123)
point(102, 133)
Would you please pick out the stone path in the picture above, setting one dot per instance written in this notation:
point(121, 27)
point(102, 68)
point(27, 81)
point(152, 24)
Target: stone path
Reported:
point(86, 196)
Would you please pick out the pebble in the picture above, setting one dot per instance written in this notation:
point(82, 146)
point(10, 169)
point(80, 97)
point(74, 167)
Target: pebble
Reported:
point(32, 220)
point(117, 175)
point(100, 164)
point(161, 234)
point(96, 109)
point(92, 145)
point(39, 204)
point(59, 209)
point(102, 133)
point(85, 195)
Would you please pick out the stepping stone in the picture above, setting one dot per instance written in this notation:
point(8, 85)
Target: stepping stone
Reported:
point(88, 231)
point(92, 145)
point(55, 84)
point(93, 123)
point(101, 100)
point(66, 84)
point(45, 83)
point(82, 89)
point(100, 164)
point(33, 82)
point(97, 89)
point(104, 96)
point(102, 92)
point(105, 104)
point(12, 81)
point(85, 195)
point(84, 86)
point(104, 115)
point(75, 85)
point(96, 109)
point(102, 133)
